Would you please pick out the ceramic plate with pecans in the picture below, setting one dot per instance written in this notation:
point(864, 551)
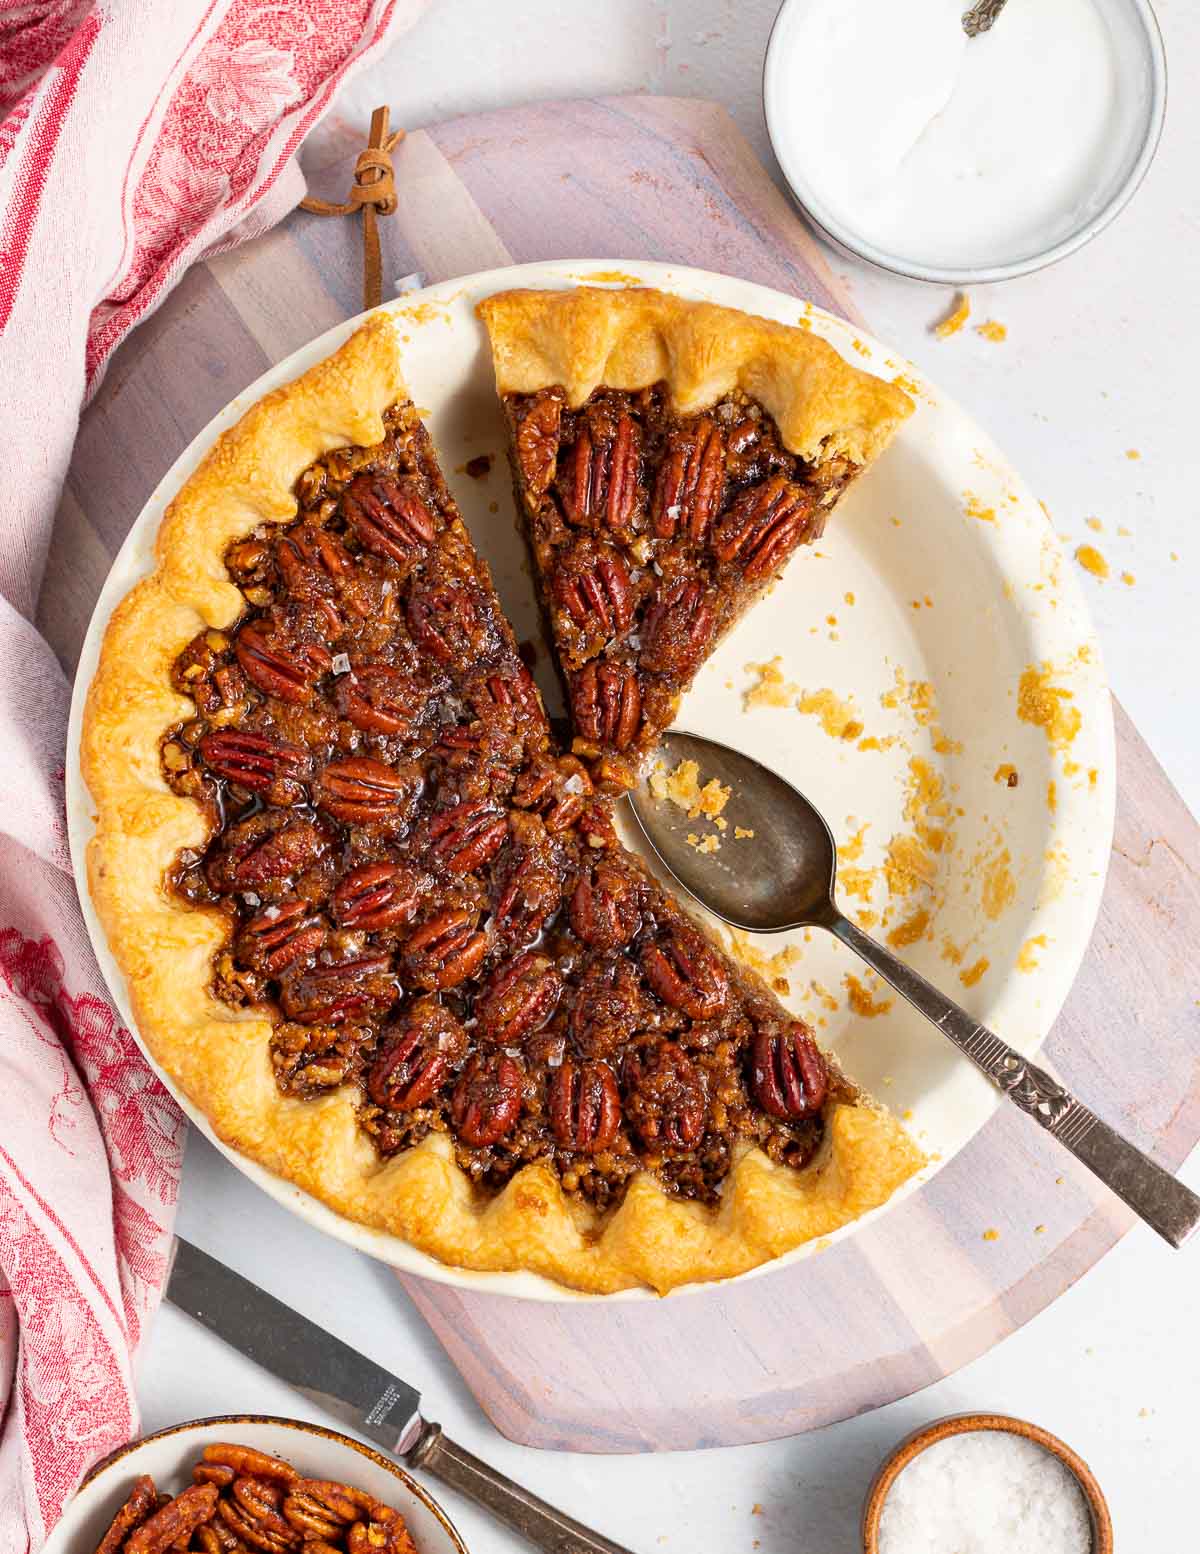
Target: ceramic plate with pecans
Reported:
point(277, 1486)
point(372, 911)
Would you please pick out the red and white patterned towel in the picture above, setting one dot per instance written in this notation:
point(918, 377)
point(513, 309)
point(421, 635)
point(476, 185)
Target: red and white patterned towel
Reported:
point(134, 137)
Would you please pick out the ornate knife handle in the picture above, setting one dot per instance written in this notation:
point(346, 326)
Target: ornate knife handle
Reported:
point(533, 1519)
point(1166, 1204)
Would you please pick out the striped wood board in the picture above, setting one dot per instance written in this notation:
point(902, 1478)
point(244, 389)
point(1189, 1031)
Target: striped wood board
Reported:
point(919, 1292)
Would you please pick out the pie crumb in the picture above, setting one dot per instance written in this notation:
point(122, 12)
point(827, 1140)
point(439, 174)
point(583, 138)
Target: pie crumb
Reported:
point(991, 1235)
point(991, 330)
point(772, 689)
point(861, 999)
point(955, 319)
point(1091, 560)
point(682, 787)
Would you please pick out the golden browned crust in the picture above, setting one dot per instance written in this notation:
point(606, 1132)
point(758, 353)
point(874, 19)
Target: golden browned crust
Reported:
point(579, 339)
point(219, 1057)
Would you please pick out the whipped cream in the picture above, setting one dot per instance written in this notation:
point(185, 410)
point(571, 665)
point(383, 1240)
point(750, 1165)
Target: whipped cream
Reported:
point(943, 149)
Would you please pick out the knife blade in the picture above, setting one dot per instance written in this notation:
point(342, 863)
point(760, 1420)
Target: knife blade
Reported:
point(325, 1370)
point(365, 1396)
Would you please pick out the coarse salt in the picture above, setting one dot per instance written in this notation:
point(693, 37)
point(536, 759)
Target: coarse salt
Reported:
point(341, 663)
point(985, 1492)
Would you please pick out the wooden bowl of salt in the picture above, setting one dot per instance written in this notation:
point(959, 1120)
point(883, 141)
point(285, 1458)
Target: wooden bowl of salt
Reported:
point(988, 1483)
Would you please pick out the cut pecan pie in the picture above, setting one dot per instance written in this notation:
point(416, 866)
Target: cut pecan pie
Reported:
point(668, 459)
point(381, 930)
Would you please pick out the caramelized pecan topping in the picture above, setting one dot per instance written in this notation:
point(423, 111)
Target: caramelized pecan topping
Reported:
point(426, 894)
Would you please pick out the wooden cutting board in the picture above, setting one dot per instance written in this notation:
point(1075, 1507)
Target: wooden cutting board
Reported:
point(921, 1291)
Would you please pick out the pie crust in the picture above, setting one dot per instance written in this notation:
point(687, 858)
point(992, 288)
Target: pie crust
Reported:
point(218, 1055)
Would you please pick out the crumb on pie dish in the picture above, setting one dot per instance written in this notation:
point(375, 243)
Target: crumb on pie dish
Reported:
point(378, 926)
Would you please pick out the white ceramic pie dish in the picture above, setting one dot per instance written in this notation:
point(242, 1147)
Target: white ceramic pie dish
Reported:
point(957, 581)
point(167, 1456)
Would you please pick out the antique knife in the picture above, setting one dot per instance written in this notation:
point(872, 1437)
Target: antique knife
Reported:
point(362, 1394)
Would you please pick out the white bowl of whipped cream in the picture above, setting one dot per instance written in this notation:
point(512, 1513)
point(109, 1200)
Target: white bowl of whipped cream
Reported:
point(957, 159)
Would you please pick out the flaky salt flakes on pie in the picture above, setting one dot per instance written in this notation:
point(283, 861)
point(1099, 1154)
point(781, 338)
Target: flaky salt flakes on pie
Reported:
point(381, 930)
point(669, 457)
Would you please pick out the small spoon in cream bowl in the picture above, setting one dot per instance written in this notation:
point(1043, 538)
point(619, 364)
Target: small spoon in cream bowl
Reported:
point(785, 879)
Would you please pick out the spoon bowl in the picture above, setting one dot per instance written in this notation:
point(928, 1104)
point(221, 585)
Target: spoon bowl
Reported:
point(783, 874)
point(780, 877)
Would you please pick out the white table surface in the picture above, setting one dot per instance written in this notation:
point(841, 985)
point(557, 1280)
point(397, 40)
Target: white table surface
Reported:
point(1099, 359)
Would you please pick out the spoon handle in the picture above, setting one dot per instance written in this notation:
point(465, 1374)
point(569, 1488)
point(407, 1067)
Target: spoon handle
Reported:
point(1166, 1204)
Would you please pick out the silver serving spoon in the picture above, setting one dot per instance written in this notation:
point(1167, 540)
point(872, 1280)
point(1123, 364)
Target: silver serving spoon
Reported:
point(783, 877)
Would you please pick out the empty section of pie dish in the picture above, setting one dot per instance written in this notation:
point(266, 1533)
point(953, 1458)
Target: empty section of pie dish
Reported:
point(956, 159)
point(992, 624)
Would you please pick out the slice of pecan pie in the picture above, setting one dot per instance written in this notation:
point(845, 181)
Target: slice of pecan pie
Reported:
point(668, 457)
point(381, 930)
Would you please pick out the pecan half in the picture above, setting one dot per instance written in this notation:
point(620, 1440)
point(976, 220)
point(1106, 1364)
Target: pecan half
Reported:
point(518, 999)
point(417, 1057)
point(678, 629)
point(606, 700)
point(255, 762)
point(611, 1007)
point(537, 441)
point(389, 516)
point(361, 789)
point(594, 589)
point(468, 835)
point(686, 972)
point(175, 1522)
point(375, 896)
point(343, 1502)
point(585, 1106)
point(688, 490)
point(444, 620)
point(260, 859)
point(529, 895)
point(788, 1075)
point(282, 937)
point(288, 670)
point(558, 789)
point(487, 1099)
point(446, 950)
point(213, 1473)
point(306, 549)
point(763, 524)
point(666, 1099)
point(600, 475)
point(381, 699)
point(142, 1501)
point(259, 1502)
point(605, 908)
point(513, 690)
point(251, 1533)
point(328, 995)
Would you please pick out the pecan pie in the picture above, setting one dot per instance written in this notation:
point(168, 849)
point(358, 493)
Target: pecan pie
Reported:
point(668, 458)
point(380, 928)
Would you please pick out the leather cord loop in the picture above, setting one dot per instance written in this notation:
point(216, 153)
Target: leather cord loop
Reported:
point(374, 193)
